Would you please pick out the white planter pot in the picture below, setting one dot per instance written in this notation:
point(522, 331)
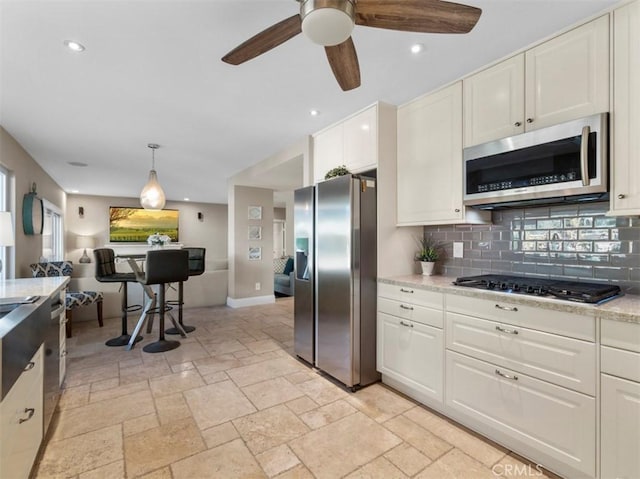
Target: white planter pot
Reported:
point(427, 267)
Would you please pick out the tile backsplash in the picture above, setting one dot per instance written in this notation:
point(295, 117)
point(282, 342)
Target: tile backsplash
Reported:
point(564, 241)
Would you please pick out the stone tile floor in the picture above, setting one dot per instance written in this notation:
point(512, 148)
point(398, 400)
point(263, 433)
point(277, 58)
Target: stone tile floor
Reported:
point(232, 402)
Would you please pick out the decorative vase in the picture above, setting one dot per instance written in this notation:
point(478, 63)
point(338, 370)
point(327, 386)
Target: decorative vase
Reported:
point(427, 267)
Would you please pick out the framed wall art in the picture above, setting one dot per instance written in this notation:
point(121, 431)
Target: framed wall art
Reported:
point(255, 253)
point(255, 212)
point(255, 232)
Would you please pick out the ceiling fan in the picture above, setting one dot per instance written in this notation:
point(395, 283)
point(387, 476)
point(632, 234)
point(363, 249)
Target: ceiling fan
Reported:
point(330, 23)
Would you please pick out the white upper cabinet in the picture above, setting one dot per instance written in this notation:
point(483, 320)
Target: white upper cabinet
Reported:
point(429, 182)
point(562, 79)
point(625, 161)
point(493, 102)
point(353, 143)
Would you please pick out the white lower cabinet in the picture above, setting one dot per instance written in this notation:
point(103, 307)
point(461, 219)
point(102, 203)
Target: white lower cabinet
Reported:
point(411, 353)
point(544, 422)
point(21, 417)
point(620, 428)
point(620, 400)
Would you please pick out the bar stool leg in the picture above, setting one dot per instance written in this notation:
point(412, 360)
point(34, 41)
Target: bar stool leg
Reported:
point(124, 338)
point(185, 328)
point(161, 345)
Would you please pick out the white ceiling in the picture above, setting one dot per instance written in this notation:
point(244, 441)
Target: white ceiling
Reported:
point(151, 73)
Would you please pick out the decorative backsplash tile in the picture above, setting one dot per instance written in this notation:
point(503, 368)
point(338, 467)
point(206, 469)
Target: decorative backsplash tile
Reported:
point(564, 241)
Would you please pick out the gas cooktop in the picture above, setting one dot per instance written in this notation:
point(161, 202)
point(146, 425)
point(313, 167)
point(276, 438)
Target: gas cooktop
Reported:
point(582, 292)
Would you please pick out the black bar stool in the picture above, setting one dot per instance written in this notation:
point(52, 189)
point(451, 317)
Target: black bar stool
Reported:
point(196, 268)
point(163, 267)
point(106, 273)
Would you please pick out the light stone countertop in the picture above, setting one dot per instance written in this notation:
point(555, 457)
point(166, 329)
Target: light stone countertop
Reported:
point(15, 288)
point(625, 308)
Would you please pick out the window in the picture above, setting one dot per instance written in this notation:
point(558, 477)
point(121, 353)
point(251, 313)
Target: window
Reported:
point(52, 233)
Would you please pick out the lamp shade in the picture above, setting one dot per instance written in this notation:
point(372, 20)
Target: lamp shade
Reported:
point(83, 241)
point(152, 197)
point(6, 229)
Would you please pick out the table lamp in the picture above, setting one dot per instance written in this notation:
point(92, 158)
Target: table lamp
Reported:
point(84, 242)
point(6, 231)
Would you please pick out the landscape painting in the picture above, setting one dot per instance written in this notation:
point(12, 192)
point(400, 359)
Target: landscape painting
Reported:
point(134, 225)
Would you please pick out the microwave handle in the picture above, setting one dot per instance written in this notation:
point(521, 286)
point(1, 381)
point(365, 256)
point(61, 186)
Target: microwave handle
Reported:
point(584, 156)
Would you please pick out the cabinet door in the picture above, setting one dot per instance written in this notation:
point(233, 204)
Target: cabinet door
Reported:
point(625, 161)
point(494, 102)
point(327, 151)
point(361, 141)
point(412, 354)
point(568, 77)
point(620, 424)
point(429, 181)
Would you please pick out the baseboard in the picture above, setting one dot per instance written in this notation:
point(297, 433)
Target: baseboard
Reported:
point(253, 301)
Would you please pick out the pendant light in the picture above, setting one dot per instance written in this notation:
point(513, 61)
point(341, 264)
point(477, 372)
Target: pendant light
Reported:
point(152, 197)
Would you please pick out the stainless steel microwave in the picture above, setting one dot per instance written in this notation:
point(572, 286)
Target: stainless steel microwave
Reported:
point(565, 162)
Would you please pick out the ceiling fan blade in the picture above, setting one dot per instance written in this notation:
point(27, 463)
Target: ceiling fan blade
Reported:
point(265, 40)
point(344, 63)
point(424, 16)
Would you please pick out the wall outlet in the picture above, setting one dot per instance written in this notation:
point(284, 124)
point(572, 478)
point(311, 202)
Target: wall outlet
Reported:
point(258, 286)
point(458, 249)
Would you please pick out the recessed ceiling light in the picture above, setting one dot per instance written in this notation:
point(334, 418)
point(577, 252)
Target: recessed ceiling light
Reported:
point(365, 127)
point(417, 48)
point(74, 46)
point(74, 191)
point(186, 199)
point(314, 113)
point(79, 164)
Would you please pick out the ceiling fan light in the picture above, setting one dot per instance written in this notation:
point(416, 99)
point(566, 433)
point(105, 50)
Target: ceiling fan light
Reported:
point(327, 22)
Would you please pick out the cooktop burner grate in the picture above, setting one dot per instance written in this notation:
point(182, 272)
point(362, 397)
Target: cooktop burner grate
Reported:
point(583, 292)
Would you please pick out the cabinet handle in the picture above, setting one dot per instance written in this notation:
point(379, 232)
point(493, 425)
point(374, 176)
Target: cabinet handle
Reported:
point(505, 308)
point(408, 325)
point(402, 290)
point(506, 376)
point(63, 353)
point(529, 120)
point(518, 123)
point(505, 330)
point(621, 196)
point(408, 308)
point(457, 210)
point(30, 412)
point(584, 156)
point(30, 365)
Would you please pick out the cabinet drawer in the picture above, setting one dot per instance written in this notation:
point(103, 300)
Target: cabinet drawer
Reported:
point(411, 353)
point(420, 314)
point(621, 363)
point(21, 416)
point(620, 334)
point(550, 420)
point(564, 361)
point(421, 297)
point(559, 322)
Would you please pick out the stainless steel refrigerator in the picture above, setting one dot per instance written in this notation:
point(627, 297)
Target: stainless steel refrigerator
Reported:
point(335, 301)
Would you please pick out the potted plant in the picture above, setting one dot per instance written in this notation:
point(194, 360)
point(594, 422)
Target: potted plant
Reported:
point(428, 253)
point(337, 171)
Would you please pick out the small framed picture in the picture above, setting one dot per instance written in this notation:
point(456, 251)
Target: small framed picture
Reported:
point(255, 212)
point(255, 232)
point(255, 253)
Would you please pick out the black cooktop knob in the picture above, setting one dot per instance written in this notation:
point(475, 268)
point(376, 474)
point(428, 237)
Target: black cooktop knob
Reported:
point(530, 290)
point(504, 286)
point(491, 285)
